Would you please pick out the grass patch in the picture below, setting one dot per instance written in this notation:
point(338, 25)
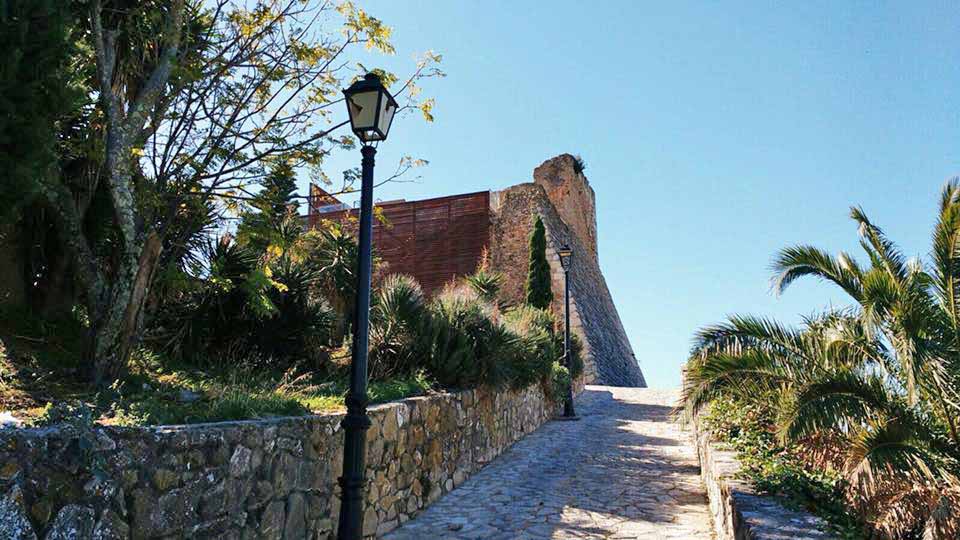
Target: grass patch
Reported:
point(40, 360)
point(191, 396)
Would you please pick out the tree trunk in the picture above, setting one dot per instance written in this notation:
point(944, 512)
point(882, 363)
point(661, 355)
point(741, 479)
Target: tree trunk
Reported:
point(114, 335)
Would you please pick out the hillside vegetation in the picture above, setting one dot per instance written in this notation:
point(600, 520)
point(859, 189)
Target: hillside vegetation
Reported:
point(856, 411)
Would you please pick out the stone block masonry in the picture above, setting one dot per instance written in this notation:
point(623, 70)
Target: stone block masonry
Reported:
point(269, 479)
point(560, 190)
point(570, 193)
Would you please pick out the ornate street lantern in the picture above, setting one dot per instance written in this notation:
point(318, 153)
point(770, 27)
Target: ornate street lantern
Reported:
point(371, 108)
point(565, 253)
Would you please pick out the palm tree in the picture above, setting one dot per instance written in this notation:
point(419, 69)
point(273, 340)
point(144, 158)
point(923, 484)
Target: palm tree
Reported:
point(332, 250)
point(871, 390)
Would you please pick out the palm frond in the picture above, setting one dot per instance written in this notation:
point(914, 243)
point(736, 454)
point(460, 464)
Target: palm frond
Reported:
point(946, 254)
point(892, 454)
point(708, 375)
point(880, 293)
point(842, 340)
point(884, 250)
point(795, 262)
point(841, 400)
point(747, 331)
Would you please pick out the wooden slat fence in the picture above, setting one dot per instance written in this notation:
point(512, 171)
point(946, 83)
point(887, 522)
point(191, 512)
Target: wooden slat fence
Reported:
point(434, 240)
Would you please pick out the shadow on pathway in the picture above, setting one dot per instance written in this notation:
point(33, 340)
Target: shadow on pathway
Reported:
point(623, 471)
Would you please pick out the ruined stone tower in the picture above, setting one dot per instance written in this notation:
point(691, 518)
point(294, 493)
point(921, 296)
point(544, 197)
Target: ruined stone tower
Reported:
point(561, 195)
point(570, 192)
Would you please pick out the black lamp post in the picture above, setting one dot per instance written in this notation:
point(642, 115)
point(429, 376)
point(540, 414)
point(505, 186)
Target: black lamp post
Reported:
point(566, 256)
point(371, 109)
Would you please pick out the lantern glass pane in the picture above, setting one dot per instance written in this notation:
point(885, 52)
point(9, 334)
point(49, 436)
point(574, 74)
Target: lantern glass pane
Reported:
point(388, 108)
point(363, 110)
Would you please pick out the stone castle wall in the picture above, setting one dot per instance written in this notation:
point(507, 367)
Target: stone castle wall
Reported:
point(608, 357)
point(265, 479)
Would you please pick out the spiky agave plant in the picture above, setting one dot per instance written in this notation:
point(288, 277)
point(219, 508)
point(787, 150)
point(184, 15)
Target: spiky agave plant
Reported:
point(485, 281)
point(872, 390)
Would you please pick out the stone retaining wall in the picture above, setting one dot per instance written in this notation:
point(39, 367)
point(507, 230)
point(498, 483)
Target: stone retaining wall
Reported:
point(272, 479)
point(738, 512)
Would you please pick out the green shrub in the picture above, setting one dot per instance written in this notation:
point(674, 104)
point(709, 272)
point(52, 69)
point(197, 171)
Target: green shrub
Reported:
point(301, 322)
point(461, 337)
point(576, 351)
point(399, 328)
point(41, 92)
point(579, 165)
point(265, 314)
point(74, 413)
point(333, 251)
point(537, 347)
point(417, 384)
point(557, 382)
point(485, 282)
point(458, 318)
point(748, 424)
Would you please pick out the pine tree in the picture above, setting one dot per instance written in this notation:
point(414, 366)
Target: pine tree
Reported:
point(539, 294)
point(279, 194)
point(272, 221)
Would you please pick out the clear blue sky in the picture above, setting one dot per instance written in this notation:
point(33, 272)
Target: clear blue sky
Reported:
point(714, 135)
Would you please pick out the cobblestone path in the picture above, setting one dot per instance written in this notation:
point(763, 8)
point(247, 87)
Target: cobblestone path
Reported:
point(623, 471)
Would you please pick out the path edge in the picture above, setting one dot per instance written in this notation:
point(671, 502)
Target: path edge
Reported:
point(738, 512)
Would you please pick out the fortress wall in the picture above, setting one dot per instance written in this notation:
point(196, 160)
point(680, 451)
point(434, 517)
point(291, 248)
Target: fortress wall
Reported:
point(608, 356)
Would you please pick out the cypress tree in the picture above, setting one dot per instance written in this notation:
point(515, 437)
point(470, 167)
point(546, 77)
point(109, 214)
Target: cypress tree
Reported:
point(539, 294)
